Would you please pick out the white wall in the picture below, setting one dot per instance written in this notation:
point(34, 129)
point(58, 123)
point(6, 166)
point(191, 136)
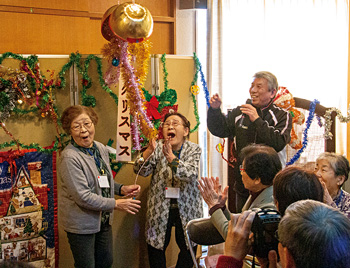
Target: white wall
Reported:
point(185, 30)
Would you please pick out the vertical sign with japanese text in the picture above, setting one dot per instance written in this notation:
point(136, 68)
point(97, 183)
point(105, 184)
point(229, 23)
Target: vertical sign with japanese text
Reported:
point(123, 128)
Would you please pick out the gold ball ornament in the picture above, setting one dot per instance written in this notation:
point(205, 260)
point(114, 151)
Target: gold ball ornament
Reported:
point(105, 29)
point(128, 21)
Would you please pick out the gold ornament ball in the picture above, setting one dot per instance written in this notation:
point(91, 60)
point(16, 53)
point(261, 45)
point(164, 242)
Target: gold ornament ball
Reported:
point(105, 29)
point(129, 21)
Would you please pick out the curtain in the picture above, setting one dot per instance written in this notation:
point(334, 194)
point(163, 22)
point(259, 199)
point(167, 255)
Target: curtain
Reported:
point(304, 43)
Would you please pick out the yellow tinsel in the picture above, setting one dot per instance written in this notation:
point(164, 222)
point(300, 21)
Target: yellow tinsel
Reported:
point(138, 55)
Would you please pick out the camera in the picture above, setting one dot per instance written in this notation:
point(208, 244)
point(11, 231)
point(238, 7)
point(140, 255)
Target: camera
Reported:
point(264, 229)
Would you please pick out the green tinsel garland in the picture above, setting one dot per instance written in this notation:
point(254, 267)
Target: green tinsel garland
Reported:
point(194, 82)
point(115, 166)
point(169, 96)
point(10, 55)
point(166, 98)
point(36, 146)
point(32, 61)
point(4, 100)
point(75, 58)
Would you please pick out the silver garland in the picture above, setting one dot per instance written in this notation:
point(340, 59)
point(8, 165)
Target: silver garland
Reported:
point(329, 122)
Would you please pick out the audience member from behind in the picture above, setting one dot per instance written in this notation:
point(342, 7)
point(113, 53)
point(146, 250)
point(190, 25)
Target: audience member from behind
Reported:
point(326, 230)
point(311, 234)
point(293, 184)
point(260, 165)
point(86, 199)
point(289, 185)
point(333, 170)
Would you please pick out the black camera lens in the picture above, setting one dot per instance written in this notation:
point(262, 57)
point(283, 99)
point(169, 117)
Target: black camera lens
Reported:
point(264, 227)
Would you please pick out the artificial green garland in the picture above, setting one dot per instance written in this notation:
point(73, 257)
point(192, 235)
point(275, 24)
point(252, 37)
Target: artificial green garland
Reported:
point(166, 98)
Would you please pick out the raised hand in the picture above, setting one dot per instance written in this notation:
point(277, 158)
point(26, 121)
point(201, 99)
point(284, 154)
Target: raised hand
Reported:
point(168, 151)
point(215, 101)
point(210, 189)
point(327, 199)
point(150, 149)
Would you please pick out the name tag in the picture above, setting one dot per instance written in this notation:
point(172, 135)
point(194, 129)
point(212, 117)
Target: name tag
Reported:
point(103, 181)
point(171, 192)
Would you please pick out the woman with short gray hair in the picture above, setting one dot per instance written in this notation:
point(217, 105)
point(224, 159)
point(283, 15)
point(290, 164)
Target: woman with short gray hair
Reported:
point(333, 170)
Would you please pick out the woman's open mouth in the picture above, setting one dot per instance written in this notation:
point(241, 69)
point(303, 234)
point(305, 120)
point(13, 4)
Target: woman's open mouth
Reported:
point(171, 135)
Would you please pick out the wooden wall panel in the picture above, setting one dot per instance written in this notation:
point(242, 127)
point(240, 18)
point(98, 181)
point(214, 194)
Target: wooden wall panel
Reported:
point(52, 4)
point(163, 39)
point(163, 8)
point(43, 34)
point(63, 27)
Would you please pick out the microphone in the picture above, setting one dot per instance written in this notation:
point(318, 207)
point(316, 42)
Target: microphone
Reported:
point(244, 121)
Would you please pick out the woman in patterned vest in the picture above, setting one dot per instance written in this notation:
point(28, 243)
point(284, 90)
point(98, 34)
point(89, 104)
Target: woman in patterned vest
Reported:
point(173, 198)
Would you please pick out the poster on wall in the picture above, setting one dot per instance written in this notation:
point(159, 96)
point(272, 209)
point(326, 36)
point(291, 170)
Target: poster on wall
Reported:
point(28, 220)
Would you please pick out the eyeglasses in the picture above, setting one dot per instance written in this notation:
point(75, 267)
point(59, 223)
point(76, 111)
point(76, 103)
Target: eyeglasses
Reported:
point(241, 168)
point(171, 123)
point(86, 125)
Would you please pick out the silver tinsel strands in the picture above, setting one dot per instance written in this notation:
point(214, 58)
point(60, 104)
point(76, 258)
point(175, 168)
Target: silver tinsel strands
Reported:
point(329, 122)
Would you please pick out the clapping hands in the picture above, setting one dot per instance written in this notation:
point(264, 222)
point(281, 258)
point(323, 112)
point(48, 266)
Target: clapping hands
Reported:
point(211, 191)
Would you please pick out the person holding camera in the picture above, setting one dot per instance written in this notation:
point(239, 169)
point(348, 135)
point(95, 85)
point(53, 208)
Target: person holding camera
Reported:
point(292, 184)
point(260, 165)
point(326, 230)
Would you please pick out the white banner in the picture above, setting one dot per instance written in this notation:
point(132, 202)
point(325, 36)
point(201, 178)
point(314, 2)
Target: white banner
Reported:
point(123, 128)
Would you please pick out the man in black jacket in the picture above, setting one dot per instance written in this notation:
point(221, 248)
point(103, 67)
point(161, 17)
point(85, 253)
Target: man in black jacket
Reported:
point(257, 121)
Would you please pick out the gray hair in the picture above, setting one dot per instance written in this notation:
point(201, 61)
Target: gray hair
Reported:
point(316, 235)
point(338, 163)
point(271, 79)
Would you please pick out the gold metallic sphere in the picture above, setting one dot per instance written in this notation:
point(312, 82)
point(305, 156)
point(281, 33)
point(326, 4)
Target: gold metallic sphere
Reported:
point(105, 30)
point(129, 22)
